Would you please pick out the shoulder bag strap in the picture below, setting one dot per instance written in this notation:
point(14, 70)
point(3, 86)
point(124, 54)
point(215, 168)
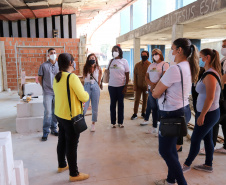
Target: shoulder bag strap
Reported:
point(69, 95)
point(211, 73)
point(182, 84)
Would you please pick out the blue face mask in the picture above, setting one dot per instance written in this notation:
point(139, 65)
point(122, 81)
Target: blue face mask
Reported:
point(74, 65)
point(201, 63)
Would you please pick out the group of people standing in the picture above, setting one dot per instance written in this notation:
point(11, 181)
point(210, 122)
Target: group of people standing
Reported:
point(164, 95)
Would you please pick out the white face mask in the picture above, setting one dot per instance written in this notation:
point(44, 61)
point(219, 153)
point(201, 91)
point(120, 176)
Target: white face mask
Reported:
point(115, 54)
point(53, 57)
point(223, 51)
point(156, 57)
point(74, 65)
point(171, 57)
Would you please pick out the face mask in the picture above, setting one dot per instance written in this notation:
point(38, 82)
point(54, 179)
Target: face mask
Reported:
point(115, 54)
point(171, 57)
point(144, 58)
point(74, 65)
point(156, 57)
point(91, 62)
point(223, 51)
point(53, 57)
point(201, 63)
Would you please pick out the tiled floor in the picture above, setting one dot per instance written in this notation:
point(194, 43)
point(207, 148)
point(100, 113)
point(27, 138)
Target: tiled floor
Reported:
point(120, 156)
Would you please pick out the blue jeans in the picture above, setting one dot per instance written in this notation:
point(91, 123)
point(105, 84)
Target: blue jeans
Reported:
point(152, 104)
point(94, 96)
point(167, 148)
point(49, 121)
point(204, 132)
point(116, 96)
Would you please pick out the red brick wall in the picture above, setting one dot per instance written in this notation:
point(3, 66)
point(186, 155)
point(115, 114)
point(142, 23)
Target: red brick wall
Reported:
point(32, 58)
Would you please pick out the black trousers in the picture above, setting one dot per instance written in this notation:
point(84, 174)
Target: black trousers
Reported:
point(117, 97)
point(216, 130)
point(67, 146)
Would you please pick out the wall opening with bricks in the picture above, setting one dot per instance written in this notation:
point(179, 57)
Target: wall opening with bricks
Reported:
point(32, 57)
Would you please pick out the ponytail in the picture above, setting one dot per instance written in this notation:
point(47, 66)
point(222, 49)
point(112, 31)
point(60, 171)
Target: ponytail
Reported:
point(194, 63)
point(215, 62)
point(215, 59)
point(58, 76)
point(190, 51)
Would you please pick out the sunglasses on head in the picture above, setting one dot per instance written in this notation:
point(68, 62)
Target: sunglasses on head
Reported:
point(154, 54)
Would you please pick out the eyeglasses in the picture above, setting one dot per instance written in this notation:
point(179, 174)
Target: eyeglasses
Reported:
point(223, 46)
point(154, 54)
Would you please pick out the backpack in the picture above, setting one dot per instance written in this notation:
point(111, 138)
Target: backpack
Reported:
point(222, 102)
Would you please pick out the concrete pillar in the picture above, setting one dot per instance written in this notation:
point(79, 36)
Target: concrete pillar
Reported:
point(177, 31)
point(49, 27)
point(73, 26)
point(41, 27)
point(136, 47)
point(179, 4)
point(23, 28)
point(3, 63)
point(65, 26)
point(15, 29)
point(149, 10)
point(5, 29)
point(131, 17)
point(82, 53)
point(57, 25)
point(32, 28)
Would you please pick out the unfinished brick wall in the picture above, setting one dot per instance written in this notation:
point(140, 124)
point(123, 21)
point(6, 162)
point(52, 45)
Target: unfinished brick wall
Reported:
point(32, 58)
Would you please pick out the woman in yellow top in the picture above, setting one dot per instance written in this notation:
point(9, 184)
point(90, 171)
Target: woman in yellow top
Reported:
point(68, 138)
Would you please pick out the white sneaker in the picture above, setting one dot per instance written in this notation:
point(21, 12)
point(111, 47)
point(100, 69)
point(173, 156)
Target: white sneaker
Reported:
point(144, 123)
point(220, 150)
point(152, 131)
point(92, 129)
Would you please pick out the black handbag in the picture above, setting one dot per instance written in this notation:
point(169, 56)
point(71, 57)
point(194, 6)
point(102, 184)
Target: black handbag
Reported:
point(79, 123)
point(175, 126)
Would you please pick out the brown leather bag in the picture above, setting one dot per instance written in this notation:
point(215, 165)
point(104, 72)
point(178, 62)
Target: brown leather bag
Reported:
point(106, 75)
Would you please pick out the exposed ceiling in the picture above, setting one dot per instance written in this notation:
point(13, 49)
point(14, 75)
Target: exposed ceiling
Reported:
point(92, 12)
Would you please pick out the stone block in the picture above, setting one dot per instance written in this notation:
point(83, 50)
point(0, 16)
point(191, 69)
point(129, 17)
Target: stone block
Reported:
point(19, 170)
point(29, 124)
point(7, 155)
point(2, 172)
point(26, 176)
point(34, 88)
point(34, 108)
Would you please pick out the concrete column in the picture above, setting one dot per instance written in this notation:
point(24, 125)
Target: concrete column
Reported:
point(82, 53)
point(15, 29)
point(149, 10)
point(23, 28)
point(73, 26)
point(3, 62)
point(57, 25)
point(177, 31)
point(65, 26)
point(5, 29)
point(49, 27)
point(136, 46)
point(131, 17)
point(41, 27)
point(32, 28)
point(179, 4)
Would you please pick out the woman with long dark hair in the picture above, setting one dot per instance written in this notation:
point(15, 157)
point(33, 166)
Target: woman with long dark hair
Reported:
point(119, 78)
point(68, 137)
point(173, 103)
point(208, 112)
point(92, 77)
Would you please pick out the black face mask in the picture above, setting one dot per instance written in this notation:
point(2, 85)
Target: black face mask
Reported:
point(144, 58)
point(91, 62)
